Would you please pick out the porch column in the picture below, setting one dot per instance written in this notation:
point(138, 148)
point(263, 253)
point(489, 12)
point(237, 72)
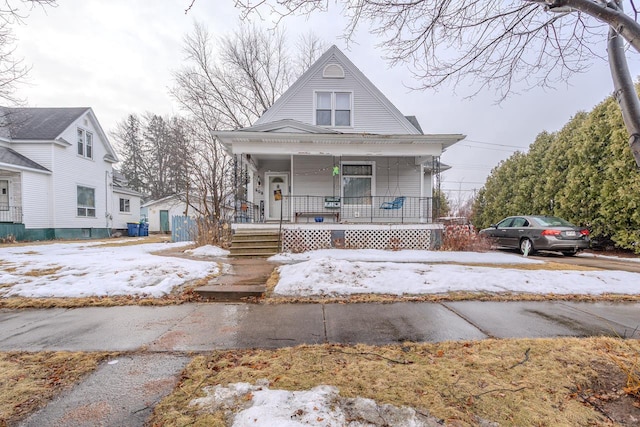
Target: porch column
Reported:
point(291, 186)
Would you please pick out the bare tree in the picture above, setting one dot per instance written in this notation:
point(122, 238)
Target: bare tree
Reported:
point(309, 47)
point(236, 82)
point(228, 83)
point(12, 69)
point(496, 43)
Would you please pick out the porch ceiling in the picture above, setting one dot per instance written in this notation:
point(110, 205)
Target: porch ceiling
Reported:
point(265, 143)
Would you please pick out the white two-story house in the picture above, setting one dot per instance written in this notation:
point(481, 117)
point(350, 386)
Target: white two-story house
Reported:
point(334, 158)
point(56, 176)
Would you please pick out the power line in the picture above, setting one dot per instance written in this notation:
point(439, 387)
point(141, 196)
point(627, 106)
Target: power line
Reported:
point(491, 149)
point(494, 144)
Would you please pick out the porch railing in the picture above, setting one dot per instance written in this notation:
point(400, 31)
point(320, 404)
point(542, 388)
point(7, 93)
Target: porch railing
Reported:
point(12, 214)
point(372, 209)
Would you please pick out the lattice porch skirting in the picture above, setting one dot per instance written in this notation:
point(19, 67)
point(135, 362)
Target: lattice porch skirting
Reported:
point(300, 239)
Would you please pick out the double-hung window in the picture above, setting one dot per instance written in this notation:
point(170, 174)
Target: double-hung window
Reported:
point(333, 109)
point(358, 183)
point(85, 143)
point(86, 201)
point(125, 205)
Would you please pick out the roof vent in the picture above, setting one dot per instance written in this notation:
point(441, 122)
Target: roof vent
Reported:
point(333, 71)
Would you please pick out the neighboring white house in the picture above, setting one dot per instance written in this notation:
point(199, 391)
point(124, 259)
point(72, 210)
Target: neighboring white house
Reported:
point(333, 149)
point(125, 203)
point(56, 174)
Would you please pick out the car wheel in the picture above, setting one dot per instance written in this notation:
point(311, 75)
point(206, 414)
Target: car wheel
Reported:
point(570, 253)
point(526, 247)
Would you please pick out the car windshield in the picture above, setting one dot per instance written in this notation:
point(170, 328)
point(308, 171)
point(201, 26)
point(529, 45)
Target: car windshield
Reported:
point(550, 221)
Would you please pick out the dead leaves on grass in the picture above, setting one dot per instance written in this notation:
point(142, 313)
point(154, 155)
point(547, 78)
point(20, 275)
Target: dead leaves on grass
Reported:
point(512, 382)
point(29, 380)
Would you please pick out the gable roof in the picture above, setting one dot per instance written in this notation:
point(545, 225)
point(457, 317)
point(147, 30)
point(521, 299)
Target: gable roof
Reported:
point(10, 157)
point(47, 124)
point(333, 53)
point(39, 123)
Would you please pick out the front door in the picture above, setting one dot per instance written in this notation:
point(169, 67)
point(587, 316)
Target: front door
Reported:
point(277, 190)
point(4, 195)
point(164, 221)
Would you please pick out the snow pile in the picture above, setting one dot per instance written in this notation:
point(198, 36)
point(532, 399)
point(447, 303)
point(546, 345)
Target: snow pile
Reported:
point(246, 404)
point(207, 251)
point(95, 269)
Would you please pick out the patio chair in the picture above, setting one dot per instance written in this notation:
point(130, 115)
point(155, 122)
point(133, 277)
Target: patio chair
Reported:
point(394, 204)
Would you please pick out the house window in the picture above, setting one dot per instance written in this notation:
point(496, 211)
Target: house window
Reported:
point(85, 143)
point(125, 205)
point(333, 109)
point(86, 201)
point(358, 183)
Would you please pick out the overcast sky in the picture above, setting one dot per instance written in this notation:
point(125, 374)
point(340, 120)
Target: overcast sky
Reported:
point(117, 56)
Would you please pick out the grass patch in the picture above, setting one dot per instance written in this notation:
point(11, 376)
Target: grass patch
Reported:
point(512, 382)
point(30, 380)
point(42, 272)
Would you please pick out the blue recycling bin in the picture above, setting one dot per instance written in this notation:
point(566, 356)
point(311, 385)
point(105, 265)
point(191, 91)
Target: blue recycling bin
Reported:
point(133, 229)
point(143, 229)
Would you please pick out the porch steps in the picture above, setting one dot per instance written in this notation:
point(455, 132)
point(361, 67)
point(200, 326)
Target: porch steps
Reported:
point(254, 243)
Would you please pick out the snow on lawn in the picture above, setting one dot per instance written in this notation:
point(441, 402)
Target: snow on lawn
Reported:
point(376, 255)
point(95, 269)
point(346, 272)
point(320, 406)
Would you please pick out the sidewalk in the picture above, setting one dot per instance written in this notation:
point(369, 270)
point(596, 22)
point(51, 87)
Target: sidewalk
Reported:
point(124, 393)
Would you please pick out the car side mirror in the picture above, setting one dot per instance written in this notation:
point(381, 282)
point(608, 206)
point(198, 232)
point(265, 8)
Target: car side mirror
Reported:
point(494, 225)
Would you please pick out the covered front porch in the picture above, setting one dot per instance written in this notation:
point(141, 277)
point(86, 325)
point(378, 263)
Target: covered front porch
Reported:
point(323, 189)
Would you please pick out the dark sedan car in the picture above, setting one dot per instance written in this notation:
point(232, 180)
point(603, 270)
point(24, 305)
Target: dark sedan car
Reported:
point(530, 233)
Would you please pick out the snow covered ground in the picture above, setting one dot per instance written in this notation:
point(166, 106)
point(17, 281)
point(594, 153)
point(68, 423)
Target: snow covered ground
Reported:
point(321, 406)
point(346, 272)
point(97, 269)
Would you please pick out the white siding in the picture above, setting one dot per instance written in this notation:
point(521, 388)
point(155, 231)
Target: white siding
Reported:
point(312, 176)
point(175, 208)
point(120, 219)
point(372, 112)
point(41, 153)
point(394, 176)
point(72, 170)
point(36, 200)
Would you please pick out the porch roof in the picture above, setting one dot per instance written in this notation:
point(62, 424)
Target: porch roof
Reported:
point(14, 160)
point(344, 144)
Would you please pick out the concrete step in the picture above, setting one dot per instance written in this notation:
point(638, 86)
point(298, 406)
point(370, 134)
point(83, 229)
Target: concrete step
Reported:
point(255, 237)
point(262, 252)
point(254, 244)
point(230, 292)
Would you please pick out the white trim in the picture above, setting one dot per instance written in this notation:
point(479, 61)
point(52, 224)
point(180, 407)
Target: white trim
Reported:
point(333, 71)
point(372, 163)
point(333, 93)
point(267, 192)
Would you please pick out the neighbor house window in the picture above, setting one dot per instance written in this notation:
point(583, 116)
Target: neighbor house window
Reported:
point(86, 201)
point(333, 108)
point(358, 182)
point(125, 205)
point(85, 143)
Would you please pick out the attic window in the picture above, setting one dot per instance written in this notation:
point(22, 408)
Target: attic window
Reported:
point(333, 71)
